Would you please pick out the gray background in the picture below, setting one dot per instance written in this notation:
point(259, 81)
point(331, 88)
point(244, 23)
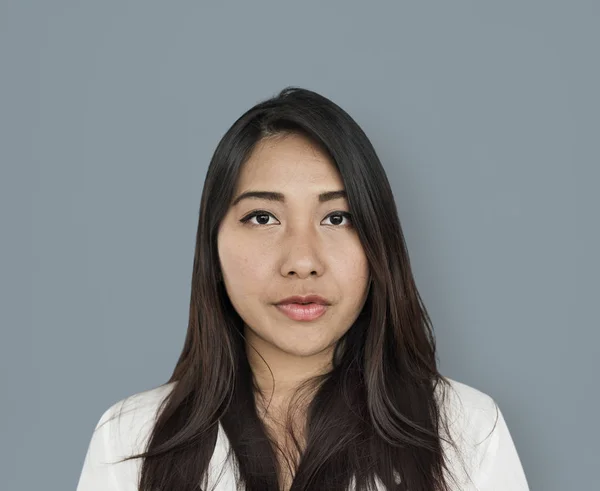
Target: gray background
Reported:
point(485, 115)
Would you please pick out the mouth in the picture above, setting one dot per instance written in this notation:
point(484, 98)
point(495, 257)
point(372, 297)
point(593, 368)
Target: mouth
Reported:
point(302, 311)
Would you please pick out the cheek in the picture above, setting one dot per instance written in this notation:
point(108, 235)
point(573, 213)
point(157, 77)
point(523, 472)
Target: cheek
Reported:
point(242, 262)
point(250, 262)
point(351, 265)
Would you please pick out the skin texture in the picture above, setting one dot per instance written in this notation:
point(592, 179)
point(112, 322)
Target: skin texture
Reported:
point(298, 250)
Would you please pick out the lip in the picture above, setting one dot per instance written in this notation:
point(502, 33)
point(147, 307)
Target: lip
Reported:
point(299, 312)
point(304, 299)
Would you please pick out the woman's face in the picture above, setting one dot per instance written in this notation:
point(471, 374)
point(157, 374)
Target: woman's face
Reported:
point(292, 247)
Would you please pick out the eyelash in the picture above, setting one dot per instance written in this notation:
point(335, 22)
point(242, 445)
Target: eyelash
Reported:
point(263, 212)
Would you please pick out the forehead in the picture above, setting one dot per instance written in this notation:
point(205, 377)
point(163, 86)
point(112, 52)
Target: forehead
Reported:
point(291, 161)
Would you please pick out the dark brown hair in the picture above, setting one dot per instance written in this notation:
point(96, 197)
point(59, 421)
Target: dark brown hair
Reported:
point(376, 413)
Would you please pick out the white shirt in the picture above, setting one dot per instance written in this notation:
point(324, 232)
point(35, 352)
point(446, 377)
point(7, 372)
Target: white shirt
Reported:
point(489, 457)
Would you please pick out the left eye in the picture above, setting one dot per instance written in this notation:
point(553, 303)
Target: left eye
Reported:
point(339, 215)
point(261, 213)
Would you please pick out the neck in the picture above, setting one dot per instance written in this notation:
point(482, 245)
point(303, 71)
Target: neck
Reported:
point(278, 374)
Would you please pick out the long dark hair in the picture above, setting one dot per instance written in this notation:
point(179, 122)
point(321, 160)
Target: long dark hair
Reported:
point(376, 413)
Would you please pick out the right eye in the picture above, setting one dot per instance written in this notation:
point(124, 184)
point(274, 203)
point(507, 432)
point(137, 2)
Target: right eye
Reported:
point(257, 213)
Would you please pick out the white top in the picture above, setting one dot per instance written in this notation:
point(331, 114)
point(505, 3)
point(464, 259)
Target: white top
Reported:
point(493, 465)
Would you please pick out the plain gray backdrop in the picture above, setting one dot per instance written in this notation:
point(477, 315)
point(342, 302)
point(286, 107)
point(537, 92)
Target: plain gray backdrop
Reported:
point(484, 114)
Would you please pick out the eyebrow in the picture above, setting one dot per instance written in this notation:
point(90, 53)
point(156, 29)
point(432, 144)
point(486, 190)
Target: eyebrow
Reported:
point(274, 196)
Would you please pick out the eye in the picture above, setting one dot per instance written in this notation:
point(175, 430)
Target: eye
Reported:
point(265, 214)
point(340, 215)
point(259, 213)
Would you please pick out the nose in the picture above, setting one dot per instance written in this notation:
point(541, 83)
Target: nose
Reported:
point(302, 256)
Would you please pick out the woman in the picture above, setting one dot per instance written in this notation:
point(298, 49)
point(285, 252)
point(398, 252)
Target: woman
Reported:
point(271, 394)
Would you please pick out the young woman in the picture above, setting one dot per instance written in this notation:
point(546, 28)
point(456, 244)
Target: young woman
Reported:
point(309, 361)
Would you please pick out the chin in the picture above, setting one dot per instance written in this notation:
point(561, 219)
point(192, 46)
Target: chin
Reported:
point(303, 346)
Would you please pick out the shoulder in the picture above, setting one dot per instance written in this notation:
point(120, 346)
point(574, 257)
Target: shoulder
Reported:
point(489, 457)
point(470, 418)
point(122, 431)
point(463, 404)
point(469, 413)
point(127, 423)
